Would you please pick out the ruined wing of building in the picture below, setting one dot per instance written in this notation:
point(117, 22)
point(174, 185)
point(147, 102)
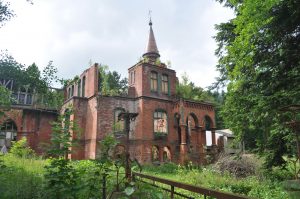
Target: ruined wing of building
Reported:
point(166, 128)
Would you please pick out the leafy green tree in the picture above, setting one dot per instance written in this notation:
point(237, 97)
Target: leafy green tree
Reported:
point(259, 60)
point(5, 101)
point(32, 78)
point(111, 83)
point(64, 135)
point(187, 90)
point(5, 13)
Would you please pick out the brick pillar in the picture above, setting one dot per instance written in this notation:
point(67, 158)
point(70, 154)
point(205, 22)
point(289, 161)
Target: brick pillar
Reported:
point(213, 136)
point(161, 153)
point(199, 139)
point(183, 144)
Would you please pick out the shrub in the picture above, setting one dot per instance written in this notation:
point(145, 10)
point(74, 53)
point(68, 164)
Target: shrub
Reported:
point(21, 149)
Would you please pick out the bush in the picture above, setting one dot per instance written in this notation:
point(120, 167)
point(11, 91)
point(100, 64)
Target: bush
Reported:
point(21, 149)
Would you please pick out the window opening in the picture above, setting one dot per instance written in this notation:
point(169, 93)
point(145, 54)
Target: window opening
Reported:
point(160, 122)
point(153, 81)
point(165, 84)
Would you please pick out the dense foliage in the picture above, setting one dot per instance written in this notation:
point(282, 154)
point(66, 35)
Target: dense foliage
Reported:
point(111, 83)
point(31, 80)
point(258, 53)
point(253, 186)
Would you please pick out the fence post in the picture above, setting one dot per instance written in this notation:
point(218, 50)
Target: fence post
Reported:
point(172, 192)
point(104, 186)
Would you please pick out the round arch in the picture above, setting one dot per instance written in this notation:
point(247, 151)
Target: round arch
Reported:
point(166, 154)
point(208, 123)
point(193, 120)
point(155, 153)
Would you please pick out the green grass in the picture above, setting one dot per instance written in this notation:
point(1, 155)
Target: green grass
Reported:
point(21, 178)
point(251, 186)
point(24, 178)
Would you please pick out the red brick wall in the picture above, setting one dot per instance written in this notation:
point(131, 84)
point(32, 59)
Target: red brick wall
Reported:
point(91, 83)
point(35, 125)
point(142, 80)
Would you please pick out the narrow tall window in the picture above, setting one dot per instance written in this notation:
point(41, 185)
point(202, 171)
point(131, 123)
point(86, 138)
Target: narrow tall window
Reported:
point(72, 91)
point(153, 81)
point(69, 92)
point(79, 87)
point(165, 84)
point(83, 86)
point(160, 122)
point(133, 76)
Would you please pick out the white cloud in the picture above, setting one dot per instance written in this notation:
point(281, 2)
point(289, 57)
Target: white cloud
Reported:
point(72, 32)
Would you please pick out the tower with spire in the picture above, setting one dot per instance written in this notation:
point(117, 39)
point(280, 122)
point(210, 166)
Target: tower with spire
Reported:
point(151, 50)
point(150, 77)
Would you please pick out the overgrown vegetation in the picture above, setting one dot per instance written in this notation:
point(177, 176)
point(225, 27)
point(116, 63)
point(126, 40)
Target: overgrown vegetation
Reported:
point(253, 186)
point(31, 177)
point(110, 82)
point(258, 61)
point(31, 80)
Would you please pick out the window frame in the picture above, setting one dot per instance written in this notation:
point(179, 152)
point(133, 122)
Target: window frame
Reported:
point(159, 114)
point(165, 84)
point(154, 81)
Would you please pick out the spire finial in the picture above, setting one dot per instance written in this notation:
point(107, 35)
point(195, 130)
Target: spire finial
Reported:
point(151, 50)
point(150, 21)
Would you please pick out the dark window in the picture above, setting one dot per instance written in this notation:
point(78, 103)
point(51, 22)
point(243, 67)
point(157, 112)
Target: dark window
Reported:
point(165, 84)
point(83, 86)
point(79, 88)
point(153, 81)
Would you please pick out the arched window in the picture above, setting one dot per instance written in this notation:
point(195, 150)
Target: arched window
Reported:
point(166, 154)
point(119, 125)
point(208, 126)
point(165, 84)
point(160, 122)
point(154, 81)
point(208, 123)
point(155, 153)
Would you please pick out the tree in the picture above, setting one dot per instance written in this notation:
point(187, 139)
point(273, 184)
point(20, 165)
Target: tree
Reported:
point(259, 60)
point(5, 101)
point(64, 136)
point(31, 77)
point(5, 13)
point(187, 90)
point(110, 82)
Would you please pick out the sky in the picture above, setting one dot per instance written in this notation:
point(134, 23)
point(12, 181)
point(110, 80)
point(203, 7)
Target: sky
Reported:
point(75, 33)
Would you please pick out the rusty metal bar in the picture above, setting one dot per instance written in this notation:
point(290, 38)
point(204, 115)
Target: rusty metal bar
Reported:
point(192, 188)
point(172, 192)
point(168, 190)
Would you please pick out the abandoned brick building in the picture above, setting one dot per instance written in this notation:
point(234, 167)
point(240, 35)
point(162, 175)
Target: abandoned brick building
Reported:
point(29, 116)
point(166, 129)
